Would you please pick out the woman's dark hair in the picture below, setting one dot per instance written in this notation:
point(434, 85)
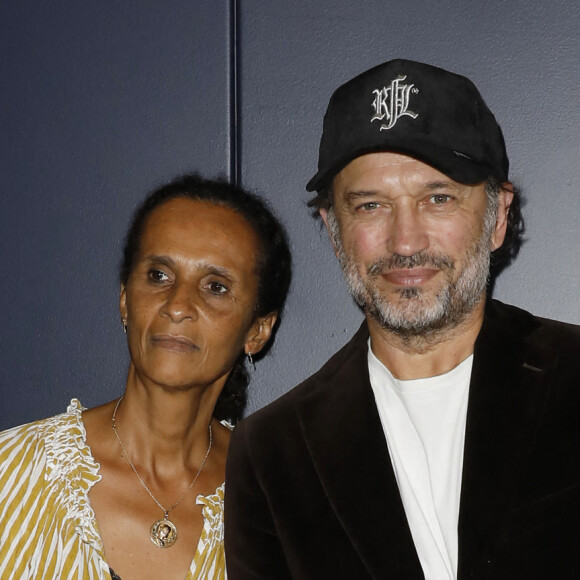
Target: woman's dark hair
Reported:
point(274, 262)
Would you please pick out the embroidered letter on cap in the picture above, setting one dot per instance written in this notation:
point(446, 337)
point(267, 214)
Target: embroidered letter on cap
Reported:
point(392, 103)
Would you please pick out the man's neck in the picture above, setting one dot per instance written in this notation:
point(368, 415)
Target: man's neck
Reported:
point(426, 355)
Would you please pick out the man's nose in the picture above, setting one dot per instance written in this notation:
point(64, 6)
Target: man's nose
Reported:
point(406, 232)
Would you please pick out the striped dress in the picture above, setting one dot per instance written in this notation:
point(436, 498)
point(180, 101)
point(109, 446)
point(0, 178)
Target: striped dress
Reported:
point(47, 525)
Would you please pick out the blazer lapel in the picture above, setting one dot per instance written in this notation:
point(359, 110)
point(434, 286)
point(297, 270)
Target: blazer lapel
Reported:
point(351, 457)
point(507, 394)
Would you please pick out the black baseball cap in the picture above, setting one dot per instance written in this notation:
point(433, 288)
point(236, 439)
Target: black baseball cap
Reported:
point(408, 107)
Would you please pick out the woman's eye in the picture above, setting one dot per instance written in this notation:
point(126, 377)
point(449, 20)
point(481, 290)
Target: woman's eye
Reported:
point(216, 288)
point(158, 276)
point(439, 199)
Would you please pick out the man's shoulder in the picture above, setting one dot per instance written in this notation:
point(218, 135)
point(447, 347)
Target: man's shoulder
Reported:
point(350, 356)
point(562, 336)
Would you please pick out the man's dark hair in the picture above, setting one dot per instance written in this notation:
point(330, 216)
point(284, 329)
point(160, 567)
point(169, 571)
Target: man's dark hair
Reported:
point(274, 262)
point(514, 235)
point(500, 258)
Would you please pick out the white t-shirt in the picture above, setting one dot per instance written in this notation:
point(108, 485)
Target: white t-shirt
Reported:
point(424, 423)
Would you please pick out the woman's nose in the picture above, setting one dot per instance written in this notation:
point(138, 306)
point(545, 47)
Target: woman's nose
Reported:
point(180, 304)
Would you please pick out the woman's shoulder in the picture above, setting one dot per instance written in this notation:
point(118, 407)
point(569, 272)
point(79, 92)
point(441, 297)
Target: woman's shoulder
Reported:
point(49, 440)
point(74, 409)
point(28, 433)
point(46, 471)
point(49, 459)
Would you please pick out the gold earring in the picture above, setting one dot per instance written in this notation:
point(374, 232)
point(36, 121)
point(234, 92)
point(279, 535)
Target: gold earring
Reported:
point(124, 323)
point(251, 360)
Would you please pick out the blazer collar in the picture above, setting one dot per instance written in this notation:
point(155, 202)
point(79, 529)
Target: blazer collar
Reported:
point(349, 450)
point(508, 391)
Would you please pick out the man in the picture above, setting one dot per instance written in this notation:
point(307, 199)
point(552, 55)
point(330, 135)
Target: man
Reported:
point(443, 441)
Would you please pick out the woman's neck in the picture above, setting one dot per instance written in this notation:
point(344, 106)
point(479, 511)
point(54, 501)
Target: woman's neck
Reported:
point(163, 430)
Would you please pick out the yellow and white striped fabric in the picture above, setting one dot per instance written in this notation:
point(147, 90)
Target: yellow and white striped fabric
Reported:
point(47, 525)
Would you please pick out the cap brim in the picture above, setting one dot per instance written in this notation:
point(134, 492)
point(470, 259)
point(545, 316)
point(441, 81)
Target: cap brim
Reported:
point(453, 164)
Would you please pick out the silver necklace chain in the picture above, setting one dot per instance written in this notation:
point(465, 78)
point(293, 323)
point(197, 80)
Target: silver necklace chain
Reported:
point(166, 511)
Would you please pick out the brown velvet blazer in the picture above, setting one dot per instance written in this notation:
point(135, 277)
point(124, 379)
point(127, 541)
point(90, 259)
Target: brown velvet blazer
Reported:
point(311, 493)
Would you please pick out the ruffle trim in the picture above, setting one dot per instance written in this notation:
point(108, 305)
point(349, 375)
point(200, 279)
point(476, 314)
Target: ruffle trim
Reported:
point(213, 514)
point(212, 535)
point(72, 470)
point(213, 510)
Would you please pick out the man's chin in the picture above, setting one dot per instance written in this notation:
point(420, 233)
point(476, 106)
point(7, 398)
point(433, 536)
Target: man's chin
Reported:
point(409, 325)
point(414, 315)
point(410, 311)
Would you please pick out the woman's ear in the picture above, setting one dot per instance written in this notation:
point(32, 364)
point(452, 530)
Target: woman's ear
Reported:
point(260, 333)
point(123, 303)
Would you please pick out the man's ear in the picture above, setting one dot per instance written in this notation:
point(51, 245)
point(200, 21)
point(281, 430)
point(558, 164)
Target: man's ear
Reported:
point(260, 333)
point(324, 215)
point(505, 198)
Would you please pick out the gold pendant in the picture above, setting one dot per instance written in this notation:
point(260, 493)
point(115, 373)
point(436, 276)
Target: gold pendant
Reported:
point(164, 533)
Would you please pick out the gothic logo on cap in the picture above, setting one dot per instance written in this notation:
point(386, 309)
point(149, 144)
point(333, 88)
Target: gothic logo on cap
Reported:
point(391, 103)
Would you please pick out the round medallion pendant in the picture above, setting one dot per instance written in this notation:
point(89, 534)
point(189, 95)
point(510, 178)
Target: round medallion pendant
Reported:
point(163, 533)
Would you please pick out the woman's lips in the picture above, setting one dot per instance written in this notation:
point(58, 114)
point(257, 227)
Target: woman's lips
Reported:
point(175, 343)
point(411, 277)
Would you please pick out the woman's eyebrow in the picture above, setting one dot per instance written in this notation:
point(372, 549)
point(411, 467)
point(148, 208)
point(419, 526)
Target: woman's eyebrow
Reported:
point(164, 260)
point(219, 270)
point(210, 267)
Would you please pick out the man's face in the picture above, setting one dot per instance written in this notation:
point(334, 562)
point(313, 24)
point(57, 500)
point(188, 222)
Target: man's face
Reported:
point(414, 245)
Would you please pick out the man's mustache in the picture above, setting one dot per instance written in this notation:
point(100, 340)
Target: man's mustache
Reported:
point(420, 259)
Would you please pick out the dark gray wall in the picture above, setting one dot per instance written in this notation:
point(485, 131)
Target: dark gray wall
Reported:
point(524, 56)
point(102, 101)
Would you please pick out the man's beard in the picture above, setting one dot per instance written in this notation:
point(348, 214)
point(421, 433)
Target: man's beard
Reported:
point(414, 312)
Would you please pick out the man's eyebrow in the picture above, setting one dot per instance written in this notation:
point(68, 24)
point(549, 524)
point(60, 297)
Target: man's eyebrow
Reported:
point(429, 185)
point(441, 185)
point(359, 193)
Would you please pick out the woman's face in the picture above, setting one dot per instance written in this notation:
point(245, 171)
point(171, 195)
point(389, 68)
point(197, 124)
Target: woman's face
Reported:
point(190, 298)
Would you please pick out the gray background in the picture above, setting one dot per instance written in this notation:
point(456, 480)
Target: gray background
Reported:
point(102, 101)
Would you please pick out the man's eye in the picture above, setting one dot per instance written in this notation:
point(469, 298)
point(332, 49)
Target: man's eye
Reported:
point(158, 275)
point(439, 199)
point(369, 206)
point(216, 288)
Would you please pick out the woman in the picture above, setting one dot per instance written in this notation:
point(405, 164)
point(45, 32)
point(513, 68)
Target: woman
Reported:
point(134, 488)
